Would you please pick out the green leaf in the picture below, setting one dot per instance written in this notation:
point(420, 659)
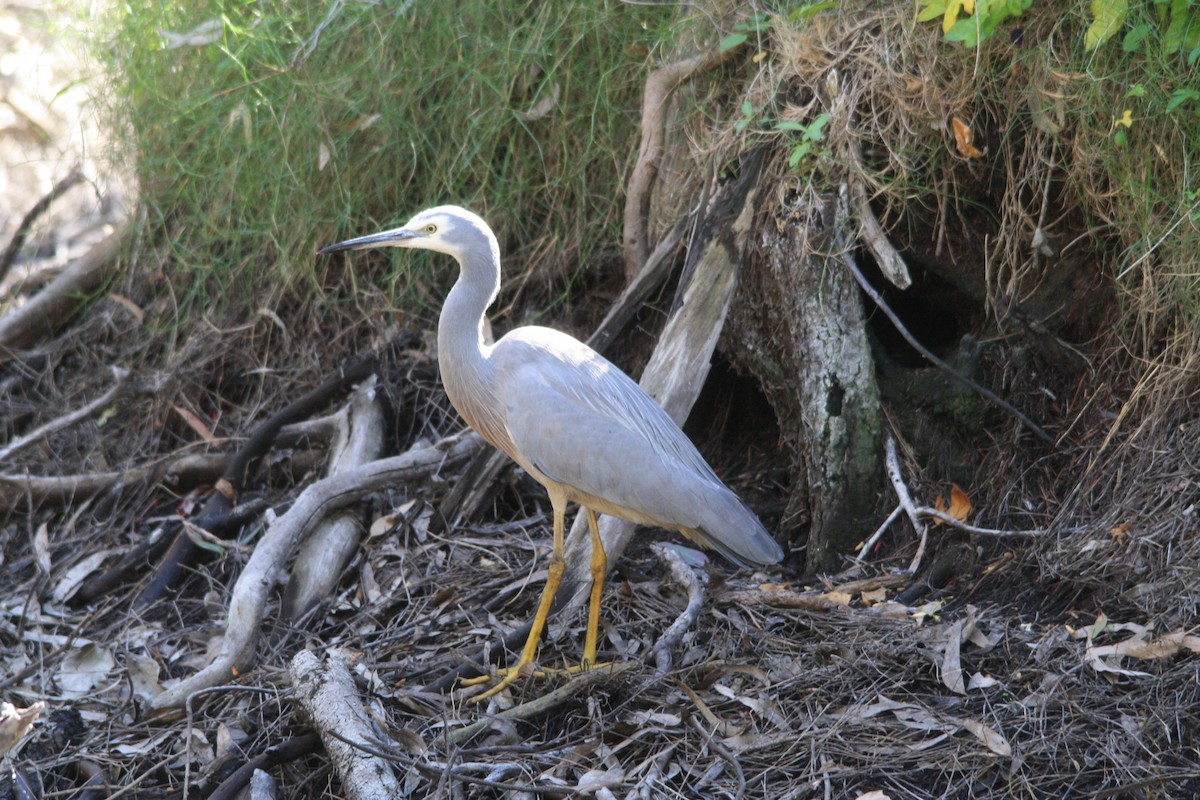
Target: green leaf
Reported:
point(816, 128)
point(1137, 90)
point(1177, 28)
point(789, 126)
point(1181, 96)
point(798, 154)
point(1133, 39)
point(810, 10)
point(965, 31)
point(934, 9)
point(733, 40)
point(1109, 17)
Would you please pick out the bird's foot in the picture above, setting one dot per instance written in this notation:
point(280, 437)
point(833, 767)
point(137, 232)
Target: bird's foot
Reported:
point(507, 676)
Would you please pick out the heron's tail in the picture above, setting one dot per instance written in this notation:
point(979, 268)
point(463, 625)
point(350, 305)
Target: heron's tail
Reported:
point(732, 529)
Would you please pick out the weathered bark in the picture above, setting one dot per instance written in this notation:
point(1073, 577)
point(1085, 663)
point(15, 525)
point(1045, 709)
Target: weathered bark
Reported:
point(798, 324)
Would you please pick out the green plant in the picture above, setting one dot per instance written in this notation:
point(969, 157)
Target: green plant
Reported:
point(810, 136)
point(984, 17)
point(260, 128)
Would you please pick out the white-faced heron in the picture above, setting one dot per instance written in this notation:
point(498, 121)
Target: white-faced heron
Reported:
point(572, 420)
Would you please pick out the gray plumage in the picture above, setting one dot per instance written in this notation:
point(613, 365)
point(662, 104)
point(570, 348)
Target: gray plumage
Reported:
point(576, 423)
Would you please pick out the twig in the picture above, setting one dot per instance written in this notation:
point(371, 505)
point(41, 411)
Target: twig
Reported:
point(120, 375)
point(547, 701)
point(890, 262)
point(988, 394)
point(9, 257)
point(917, 513)
point(894, 474)
point(723, 752)
point(688, 578)
point(446, 772)
point(869, 543)
point(288, 750)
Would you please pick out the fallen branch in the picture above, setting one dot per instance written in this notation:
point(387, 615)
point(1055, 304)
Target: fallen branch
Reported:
point(261, 573)
point(326, 691)
point(47, 310)
point(179, 474)
point(890, 262)
point(659, 85)
point(233, 482)
point(324, 553)
point(9, 256)
point(67, 420)
point(892, 462)
point(693, 582)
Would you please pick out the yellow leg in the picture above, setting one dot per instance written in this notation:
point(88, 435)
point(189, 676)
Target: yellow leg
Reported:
point(553, 579)
point(599, 570)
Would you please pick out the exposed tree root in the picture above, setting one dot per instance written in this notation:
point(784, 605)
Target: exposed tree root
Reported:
point(659, 86)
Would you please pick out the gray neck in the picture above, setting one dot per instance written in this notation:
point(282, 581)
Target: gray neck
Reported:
point(462, 354)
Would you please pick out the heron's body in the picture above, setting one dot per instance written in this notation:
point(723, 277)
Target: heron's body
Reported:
point(572, 420)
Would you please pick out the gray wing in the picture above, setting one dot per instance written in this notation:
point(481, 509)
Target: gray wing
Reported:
point(577, 418)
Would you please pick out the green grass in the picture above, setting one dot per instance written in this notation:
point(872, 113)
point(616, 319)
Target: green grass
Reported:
point(250, 154)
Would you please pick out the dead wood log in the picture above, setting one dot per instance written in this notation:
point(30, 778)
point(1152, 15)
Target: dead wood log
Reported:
point(249, 599)
point(659, 85)
point(324, 553)
point(65, 295)
point(326, 691)
point(230, 486)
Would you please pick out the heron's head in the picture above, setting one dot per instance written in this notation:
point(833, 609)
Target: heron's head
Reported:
point(445, 229)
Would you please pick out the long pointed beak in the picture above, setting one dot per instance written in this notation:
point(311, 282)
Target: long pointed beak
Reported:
point(392, 238)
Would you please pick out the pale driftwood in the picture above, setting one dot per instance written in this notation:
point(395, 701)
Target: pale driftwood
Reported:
point(120, 375)
point(676, 371)
point(890, 262)
point(659, 85)
point(50, 307)
point(260, 575)
point(325, 552)
point(326, 691)
point(693, 582)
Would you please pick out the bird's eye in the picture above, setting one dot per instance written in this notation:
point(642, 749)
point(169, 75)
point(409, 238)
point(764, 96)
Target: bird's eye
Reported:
point(431, 228)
